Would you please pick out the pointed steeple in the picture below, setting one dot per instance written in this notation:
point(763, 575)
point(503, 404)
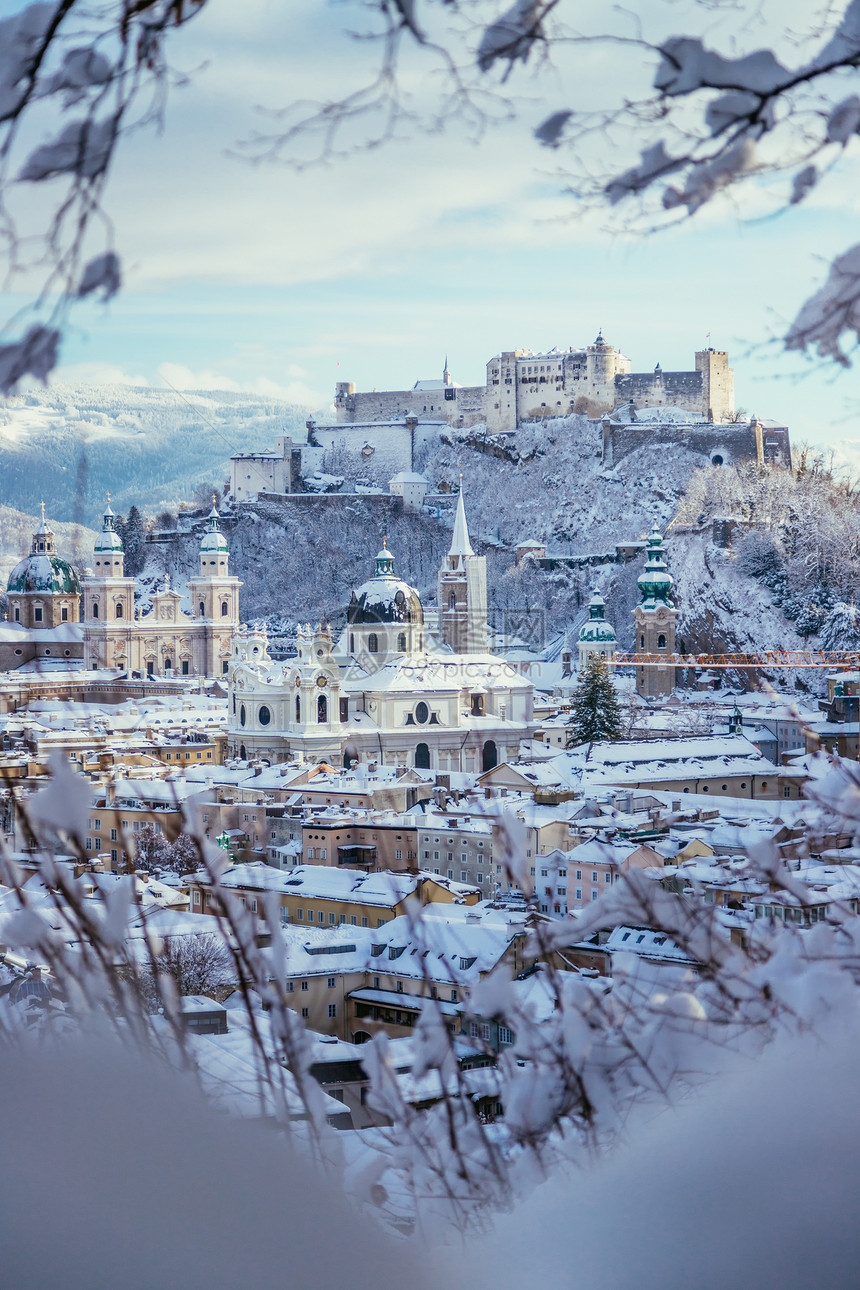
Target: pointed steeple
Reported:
point(460, 544)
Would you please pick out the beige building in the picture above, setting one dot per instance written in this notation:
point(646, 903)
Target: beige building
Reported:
point(166, 641)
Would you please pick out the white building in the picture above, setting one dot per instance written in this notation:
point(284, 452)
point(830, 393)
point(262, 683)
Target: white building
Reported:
point(384, 694)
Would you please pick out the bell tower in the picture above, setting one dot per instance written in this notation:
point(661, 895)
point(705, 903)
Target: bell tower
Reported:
point(214, 597)
point(462, 591)
point(655, 621)
point(108, 602)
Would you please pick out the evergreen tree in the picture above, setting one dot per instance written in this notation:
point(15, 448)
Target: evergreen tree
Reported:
point(133, 540)
point(596, 714)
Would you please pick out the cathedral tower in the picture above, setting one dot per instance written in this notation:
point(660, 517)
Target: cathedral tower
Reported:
point(655, 620)
point(108, 601)
point(214, 597)
point(462, 592)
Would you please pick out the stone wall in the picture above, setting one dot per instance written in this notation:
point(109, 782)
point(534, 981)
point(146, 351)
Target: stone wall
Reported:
point(659, 389)
point(722, 443)
point(457, 405)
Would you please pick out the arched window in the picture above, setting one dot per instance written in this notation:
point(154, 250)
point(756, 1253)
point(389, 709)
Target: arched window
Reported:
point(452, 601)
point(224, 609)
point(95, 609)
point(401, 642)
point(422, 757)
point(298, 709)
point(490, 756)
point(661, 641)
point(352, 642)
point(373, 643)
point(202, 610)
point(322, 709)
point(242, 752)
point(18, 613)
point(168, 665)
point(119, 611)
point(242, 715)
point(641, 642)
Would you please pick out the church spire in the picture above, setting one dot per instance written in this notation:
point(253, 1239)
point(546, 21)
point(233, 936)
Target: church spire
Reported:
point(460, 544)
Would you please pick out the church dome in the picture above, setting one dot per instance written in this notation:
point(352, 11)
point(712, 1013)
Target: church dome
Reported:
point(45, 573)
point(385, 598)
point(43, 570)
point(597, 629)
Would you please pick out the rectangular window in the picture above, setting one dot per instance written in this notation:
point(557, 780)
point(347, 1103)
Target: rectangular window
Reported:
point(454, 996)
point(594, 895)
point(579, 875)
point(332, 918)
point(300, 915)
point(376, 983)
point(288, 986)
point(306, 1012)
point(196, 898)
point(398, 855)
point(332, 1009)
point(579, 893)
point(113, 835)
point(322, 853)
point(321, 916)
point(89, 844)
point(332, 982)
point(506, 1036)
point(464, 875)
point(364, 922)
point(485, 1032)
point(353, 920)
point(607, 877)
point(305, 985)
point(480, 877)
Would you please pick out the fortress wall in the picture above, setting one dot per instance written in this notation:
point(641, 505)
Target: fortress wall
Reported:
point(465, 406)
point(730, 442)
point(662, 389)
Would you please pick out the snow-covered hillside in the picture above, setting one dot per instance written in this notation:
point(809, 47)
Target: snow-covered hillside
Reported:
point(70, 445)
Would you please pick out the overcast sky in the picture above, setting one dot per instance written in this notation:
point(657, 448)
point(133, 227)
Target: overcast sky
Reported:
point(374, 268)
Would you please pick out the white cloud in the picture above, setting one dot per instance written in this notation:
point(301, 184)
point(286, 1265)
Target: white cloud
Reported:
point(95, 373)
point(179, 377)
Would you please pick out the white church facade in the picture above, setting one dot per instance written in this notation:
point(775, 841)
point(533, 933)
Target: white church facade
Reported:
point(168, 640)
point(385, 692)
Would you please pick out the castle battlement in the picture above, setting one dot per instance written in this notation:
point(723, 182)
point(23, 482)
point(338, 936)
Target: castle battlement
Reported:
point(524, 385)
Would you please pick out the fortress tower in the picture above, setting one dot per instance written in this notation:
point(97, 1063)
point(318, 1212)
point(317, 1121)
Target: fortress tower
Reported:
point(655, 620)
point(718, 384)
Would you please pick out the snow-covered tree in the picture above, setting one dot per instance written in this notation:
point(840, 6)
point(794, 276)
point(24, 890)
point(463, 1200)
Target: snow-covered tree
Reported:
point(596, 713)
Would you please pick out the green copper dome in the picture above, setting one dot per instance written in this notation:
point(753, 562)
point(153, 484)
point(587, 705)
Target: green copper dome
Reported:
point(655, 581)
point(45, 573)
point(597, 629)
point(43, 570)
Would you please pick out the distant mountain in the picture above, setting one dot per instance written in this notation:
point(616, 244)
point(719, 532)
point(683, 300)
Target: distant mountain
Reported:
point(71, 445)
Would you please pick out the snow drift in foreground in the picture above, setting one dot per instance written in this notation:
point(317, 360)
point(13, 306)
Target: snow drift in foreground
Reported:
point(754, 1182)
point(138, 1186)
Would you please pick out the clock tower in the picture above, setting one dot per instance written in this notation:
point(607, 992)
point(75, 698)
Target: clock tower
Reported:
point(655, 621)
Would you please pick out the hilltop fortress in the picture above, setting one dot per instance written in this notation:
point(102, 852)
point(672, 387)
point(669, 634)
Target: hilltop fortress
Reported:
point(525, 386)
